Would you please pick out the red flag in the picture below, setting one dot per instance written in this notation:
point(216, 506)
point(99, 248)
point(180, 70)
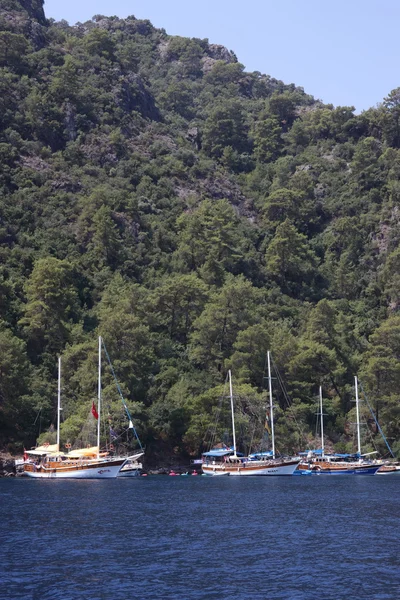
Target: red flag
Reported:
point(94, 411)
point(25, 455)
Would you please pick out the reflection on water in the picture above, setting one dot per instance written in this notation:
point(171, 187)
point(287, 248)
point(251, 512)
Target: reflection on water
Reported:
point(202, 538)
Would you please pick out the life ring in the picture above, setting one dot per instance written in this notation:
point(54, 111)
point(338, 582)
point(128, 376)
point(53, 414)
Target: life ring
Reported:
point(112, 447)
point(68, 446)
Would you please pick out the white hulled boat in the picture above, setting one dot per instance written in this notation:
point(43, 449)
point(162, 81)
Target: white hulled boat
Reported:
point(86, 463)
point(226, 461)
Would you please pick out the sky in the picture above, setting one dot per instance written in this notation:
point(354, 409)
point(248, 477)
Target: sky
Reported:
point(343, 52)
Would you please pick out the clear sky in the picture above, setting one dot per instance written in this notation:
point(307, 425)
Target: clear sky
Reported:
point(344, 52)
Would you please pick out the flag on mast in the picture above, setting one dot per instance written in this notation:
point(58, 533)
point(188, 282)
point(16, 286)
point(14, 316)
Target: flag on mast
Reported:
point(266, 424)
point(94, 411)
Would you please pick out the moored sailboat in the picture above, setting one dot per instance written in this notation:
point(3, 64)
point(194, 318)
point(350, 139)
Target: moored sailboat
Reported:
point(319, 463)
point(84, 463)
point(226, 461)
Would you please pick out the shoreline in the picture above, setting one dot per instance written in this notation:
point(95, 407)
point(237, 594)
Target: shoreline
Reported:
point(9, 469)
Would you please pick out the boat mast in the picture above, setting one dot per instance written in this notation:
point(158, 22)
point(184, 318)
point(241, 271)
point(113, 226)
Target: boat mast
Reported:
point(271, 407)
point(99, 401)
point(58, 403)
point(322, 422)
point(233, 412)
point(358, 417)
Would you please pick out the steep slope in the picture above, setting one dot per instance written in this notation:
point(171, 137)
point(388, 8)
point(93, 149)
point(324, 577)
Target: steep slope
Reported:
point(195, 215)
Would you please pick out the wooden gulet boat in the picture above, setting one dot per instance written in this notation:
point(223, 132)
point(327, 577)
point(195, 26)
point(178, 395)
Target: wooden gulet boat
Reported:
point(319, 463)
point(87, 463)
point(226, 461)
point(82, 467)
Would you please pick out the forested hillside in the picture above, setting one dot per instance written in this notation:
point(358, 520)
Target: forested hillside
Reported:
point(194, 215)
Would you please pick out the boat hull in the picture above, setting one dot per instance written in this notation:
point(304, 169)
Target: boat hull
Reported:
point(130, 470)
point(95, 470)
point(260, 468)
point(132, 467)
point(351, 470)
point(386, 470)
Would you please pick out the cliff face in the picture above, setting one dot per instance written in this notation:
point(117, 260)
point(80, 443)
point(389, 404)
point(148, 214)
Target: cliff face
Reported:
point(34, 8)
point(24, 17)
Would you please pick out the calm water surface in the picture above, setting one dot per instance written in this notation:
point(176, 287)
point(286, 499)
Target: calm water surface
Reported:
point(228, 538)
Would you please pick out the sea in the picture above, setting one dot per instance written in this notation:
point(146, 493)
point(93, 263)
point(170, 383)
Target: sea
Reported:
point(201, 538)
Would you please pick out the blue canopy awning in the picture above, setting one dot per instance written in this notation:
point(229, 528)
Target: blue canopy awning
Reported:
point(356, 455)
point(218, 452)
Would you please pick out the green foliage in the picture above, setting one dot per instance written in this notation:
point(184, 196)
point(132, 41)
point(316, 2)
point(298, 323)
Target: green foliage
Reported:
point(230, 310)
point(51, 306)
point(291, 261)
point(283, 107)
point(392, 118)
point(179, 300)
point(188, 53)
point(98, 43)
point(285, 204)
point(13, 48)
point(196, 216)
point(248, 360)
point(225, 127)
point(14, 384)
point(267, 139)
point(210, 243)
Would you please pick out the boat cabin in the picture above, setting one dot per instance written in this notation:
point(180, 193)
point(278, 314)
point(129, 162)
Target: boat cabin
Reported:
point(222, 455)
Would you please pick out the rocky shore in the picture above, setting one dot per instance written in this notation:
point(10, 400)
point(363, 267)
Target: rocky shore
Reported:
point(7, 465)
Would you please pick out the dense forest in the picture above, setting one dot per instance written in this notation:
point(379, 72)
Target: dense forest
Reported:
point(195, 216)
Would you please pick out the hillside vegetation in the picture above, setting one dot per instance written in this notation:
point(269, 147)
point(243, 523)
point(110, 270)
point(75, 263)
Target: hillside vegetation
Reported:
point(195, 215)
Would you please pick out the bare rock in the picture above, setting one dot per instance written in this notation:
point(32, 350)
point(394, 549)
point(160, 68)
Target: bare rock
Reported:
point(218, 52)
point(26, 17)
point(35, 10)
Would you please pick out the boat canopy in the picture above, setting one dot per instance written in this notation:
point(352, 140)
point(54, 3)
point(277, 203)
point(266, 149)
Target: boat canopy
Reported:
point(354, 455)
point(42, 450)
point(256, 454)
point(218, 452)
point(328, 454)
point(318, 452)
point(92, 451)
point(221, 452)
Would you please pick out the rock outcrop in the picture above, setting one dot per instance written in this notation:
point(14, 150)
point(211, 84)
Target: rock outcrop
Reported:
point(7, 466)
point(25, 17)
point(35, 10)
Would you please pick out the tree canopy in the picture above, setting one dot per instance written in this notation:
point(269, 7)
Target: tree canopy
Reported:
point(195, 215)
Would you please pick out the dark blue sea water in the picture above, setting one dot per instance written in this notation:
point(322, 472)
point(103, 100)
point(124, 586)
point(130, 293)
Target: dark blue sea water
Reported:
point(228, 538)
